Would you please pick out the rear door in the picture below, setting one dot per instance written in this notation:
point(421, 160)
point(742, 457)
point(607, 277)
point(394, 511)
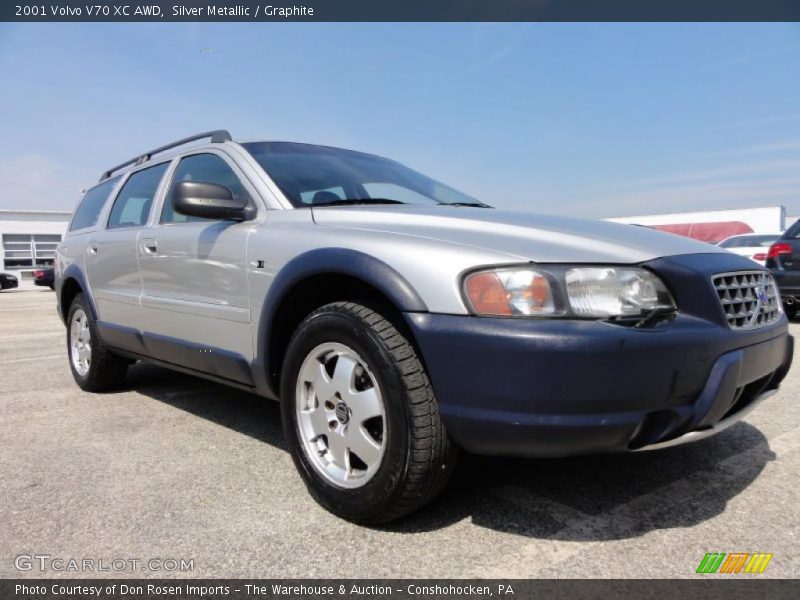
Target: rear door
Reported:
point(195, 290)
point(112, 263)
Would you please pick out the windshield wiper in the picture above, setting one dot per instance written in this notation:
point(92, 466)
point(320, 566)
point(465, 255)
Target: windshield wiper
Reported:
point(475, 204)
point(353, 201)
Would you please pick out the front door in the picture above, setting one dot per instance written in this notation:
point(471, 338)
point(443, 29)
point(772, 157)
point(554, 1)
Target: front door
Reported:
point(195, 295)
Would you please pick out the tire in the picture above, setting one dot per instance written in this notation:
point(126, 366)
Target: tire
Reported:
point(415, 457)
point(103, 370)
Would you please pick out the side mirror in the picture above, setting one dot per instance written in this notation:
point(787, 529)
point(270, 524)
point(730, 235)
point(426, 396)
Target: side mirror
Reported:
point(210, 201)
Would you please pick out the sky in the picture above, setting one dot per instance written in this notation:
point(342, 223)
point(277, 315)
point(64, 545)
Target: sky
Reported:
point(583, 119)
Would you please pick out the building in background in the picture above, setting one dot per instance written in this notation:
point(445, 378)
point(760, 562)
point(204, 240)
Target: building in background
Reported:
point(29, 239)
point(715, 225)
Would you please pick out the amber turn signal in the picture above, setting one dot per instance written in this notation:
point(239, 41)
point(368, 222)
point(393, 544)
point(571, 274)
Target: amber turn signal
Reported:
point(507, 292)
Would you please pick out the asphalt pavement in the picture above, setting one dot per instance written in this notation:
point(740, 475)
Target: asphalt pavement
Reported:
point(173, 467)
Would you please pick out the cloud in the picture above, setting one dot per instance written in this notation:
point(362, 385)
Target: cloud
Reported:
point(743, 185)
point(782, 146)
point(36, 182)
point(770, 120)
point(494, 49)
point(727, 173)
point(703, 196)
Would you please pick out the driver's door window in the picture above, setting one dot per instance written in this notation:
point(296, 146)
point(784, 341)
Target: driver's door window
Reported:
point(203, 168)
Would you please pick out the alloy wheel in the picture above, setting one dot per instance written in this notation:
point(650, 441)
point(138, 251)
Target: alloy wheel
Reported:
point(80, 337)
point(340, 415)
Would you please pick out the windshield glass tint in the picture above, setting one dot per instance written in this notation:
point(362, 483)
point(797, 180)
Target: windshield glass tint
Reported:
point(315, 175)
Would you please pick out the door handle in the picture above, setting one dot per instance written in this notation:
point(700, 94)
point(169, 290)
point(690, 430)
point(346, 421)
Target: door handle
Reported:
point(93, 247)
point(149, 245)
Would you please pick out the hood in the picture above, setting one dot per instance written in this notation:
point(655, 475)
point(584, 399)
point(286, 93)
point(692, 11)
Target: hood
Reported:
point(520, 235)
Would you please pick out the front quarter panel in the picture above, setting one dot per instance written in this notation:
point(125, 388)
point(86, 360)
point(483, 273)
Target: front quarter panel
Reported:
point(432, 268)
point(418, 274)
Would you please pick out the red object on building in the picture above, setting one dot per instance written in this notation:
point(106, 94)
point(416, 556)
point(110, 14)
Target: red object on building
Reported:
point(707, 232)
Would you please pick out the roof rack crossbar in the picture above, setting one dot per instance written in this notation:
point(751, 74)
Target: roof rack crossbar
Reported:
point(217, 137)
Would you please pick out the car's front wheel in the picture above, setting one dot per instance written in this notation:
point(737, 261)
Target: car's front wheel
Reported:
point(93, 366)
point(360, 416)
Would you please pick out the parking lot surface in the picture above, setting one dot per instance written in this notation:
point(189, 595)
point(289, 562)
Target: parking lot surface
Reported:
point(171, 466)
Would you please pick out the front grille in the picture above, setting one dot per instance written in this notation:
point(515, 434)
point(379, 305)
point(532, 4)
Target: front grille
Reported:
point(750, 299)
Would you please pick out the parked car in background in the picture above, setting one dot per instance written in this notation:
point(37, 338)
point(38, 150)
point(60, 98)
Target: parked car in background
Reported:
point(398, 320)
point(754, 246)
point(783, 259)
point(8, 281)
point(45, 277)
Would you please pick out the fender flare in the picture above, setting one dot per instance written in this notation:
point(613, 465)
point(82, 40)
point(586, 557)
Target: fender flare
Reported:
point(340, 261)
point(73, 271)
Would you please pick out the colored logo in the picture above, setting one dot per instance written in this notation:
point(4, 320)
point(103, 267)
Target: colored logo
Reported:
point(734, 562)
point(762, 294)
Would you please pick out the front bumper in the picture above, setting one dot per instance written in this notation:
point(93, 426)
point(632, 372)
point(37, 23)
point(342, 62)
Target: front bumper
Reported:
point(564, 387)
point(7, 284)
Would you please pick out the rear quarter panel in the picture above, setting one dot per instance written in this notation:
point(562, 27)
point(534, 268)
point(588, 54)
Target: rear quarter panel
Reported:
point(69, 262)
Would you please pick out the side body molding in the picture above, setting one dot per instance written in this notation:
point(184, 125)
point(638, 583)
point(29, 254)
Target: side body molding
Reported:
point(340, 261)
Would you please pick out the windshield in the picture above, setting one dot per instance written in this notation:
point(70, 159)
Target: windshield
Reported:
point(320, 175)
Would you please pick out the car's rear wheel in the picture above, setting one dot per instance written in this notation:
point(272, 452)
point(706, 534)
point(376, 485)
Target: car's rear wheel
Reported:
point(360, 416)
point(93, 366)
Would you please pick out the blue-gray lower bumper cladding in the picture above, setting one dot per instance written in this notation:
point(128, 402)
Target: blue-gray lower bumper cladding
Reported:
point(558, 387)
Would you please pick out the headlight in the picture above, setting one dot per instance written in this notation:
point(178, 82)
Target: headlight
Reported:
point(507, 292)
point(589, 292)
point(616, 292)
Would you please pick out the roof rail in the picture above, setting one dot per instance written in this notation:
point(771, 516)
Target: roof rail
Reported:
point(217, 137)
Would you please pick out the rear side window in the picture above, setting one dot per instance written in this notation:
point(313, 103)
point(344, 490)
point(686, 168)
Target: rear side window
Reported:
point(132, 206)
point(202, 168)
point(91, 205)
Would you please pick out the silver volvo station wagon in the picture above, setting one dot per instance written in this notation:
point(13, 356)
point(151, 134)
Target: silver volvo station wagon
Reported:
point(399, 321)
